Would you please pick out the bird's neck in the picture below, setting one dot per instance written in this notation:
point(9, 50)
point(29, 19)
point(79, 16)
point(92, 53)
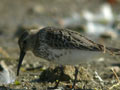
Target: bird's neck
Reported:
point(32, 41)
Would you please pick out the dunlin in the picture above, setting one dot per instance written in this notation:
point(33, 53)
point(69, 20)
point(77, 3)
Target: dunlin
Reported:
point(62, 46)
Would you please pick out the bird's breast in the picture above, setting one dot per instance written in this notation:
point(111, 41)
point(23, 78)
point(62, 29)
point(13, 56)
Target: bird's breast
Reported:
point(72, 57)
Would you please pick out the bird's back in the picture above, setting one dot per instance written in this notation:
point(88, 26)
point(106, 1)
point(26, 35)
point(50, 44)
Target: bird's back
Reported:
point(60, 38)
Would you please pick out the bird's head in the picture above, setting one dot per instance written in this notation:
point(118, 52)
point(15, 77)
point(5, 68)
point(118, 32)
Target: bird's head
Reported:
point(23, 45)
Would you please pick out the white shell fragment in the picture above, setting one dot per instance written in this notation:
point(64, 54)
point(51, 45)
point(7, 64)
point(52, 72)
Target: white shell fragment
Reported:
point(6, 74)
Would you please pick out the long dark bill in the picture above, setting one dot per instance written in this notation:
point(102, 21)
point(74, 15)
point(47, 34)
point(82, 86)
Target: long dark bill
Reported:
point(22, 54)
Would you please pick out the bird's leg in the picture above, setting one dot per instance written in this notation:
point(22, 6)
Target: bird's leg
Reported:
point(61, 74)
point(76, 72)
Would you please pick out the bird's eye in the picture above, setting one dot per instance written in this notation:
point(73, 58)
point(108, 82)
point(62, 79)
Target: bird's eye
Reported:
point(24, 42)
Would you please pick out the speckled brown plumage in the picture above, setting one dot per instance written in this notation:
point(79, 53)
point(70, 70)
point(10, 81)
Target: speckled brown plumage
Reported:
point(62, 46)
point(60, 38)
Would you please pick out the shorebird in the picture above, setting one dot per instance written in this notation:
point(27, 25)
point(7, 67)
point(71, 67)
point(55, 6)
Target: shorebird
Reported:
point(61, 46)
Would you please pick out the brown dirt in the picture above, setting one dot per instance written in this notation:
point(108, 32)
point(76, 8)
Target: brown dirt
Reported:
point(14, 13)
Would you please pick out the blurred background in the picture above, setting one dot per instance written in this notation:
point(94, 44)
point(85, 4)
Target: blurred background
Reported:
point(97, 19)
point(94, 18)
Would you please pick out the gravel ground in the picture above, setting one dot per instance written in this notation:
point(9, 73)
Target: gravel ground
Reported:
point(16, 13)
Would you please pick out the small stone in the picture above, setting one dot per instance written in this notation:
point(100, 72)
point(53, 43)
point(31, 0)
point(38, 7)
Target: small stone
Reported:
point(37, 9)
point(27, 66)
point(101, 59)
point(35, 77)
point(52, 74)
point(6, 74)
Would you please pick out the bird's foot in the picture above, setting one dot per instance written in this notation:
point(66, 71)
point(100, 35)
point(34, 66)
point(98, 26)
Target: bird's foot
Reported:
point(76, 73)
point(58, 81)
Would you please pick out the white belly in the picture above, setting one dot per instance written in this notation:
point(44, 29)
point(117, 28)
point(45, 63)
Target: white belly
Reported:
point(73, 57)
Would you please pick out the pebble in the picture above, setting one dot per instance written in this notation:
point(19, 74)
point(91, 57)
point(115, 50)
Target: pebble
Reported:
point(52, 74)
point(37, 9)
point(7, 76)
point(59, 88)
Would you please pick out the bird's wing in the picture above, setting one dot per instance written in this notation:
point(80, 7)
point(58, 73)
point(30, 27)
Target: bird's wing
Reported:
point(59, 38)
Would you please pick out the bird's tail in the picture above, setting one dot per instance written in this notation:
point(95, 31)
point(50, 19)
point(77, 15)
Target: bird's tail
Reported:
point(110, 50)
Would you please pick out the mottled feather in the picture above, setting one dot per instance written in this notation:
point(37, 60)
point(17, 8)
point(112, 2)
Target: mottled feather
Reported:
point(60, 38)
